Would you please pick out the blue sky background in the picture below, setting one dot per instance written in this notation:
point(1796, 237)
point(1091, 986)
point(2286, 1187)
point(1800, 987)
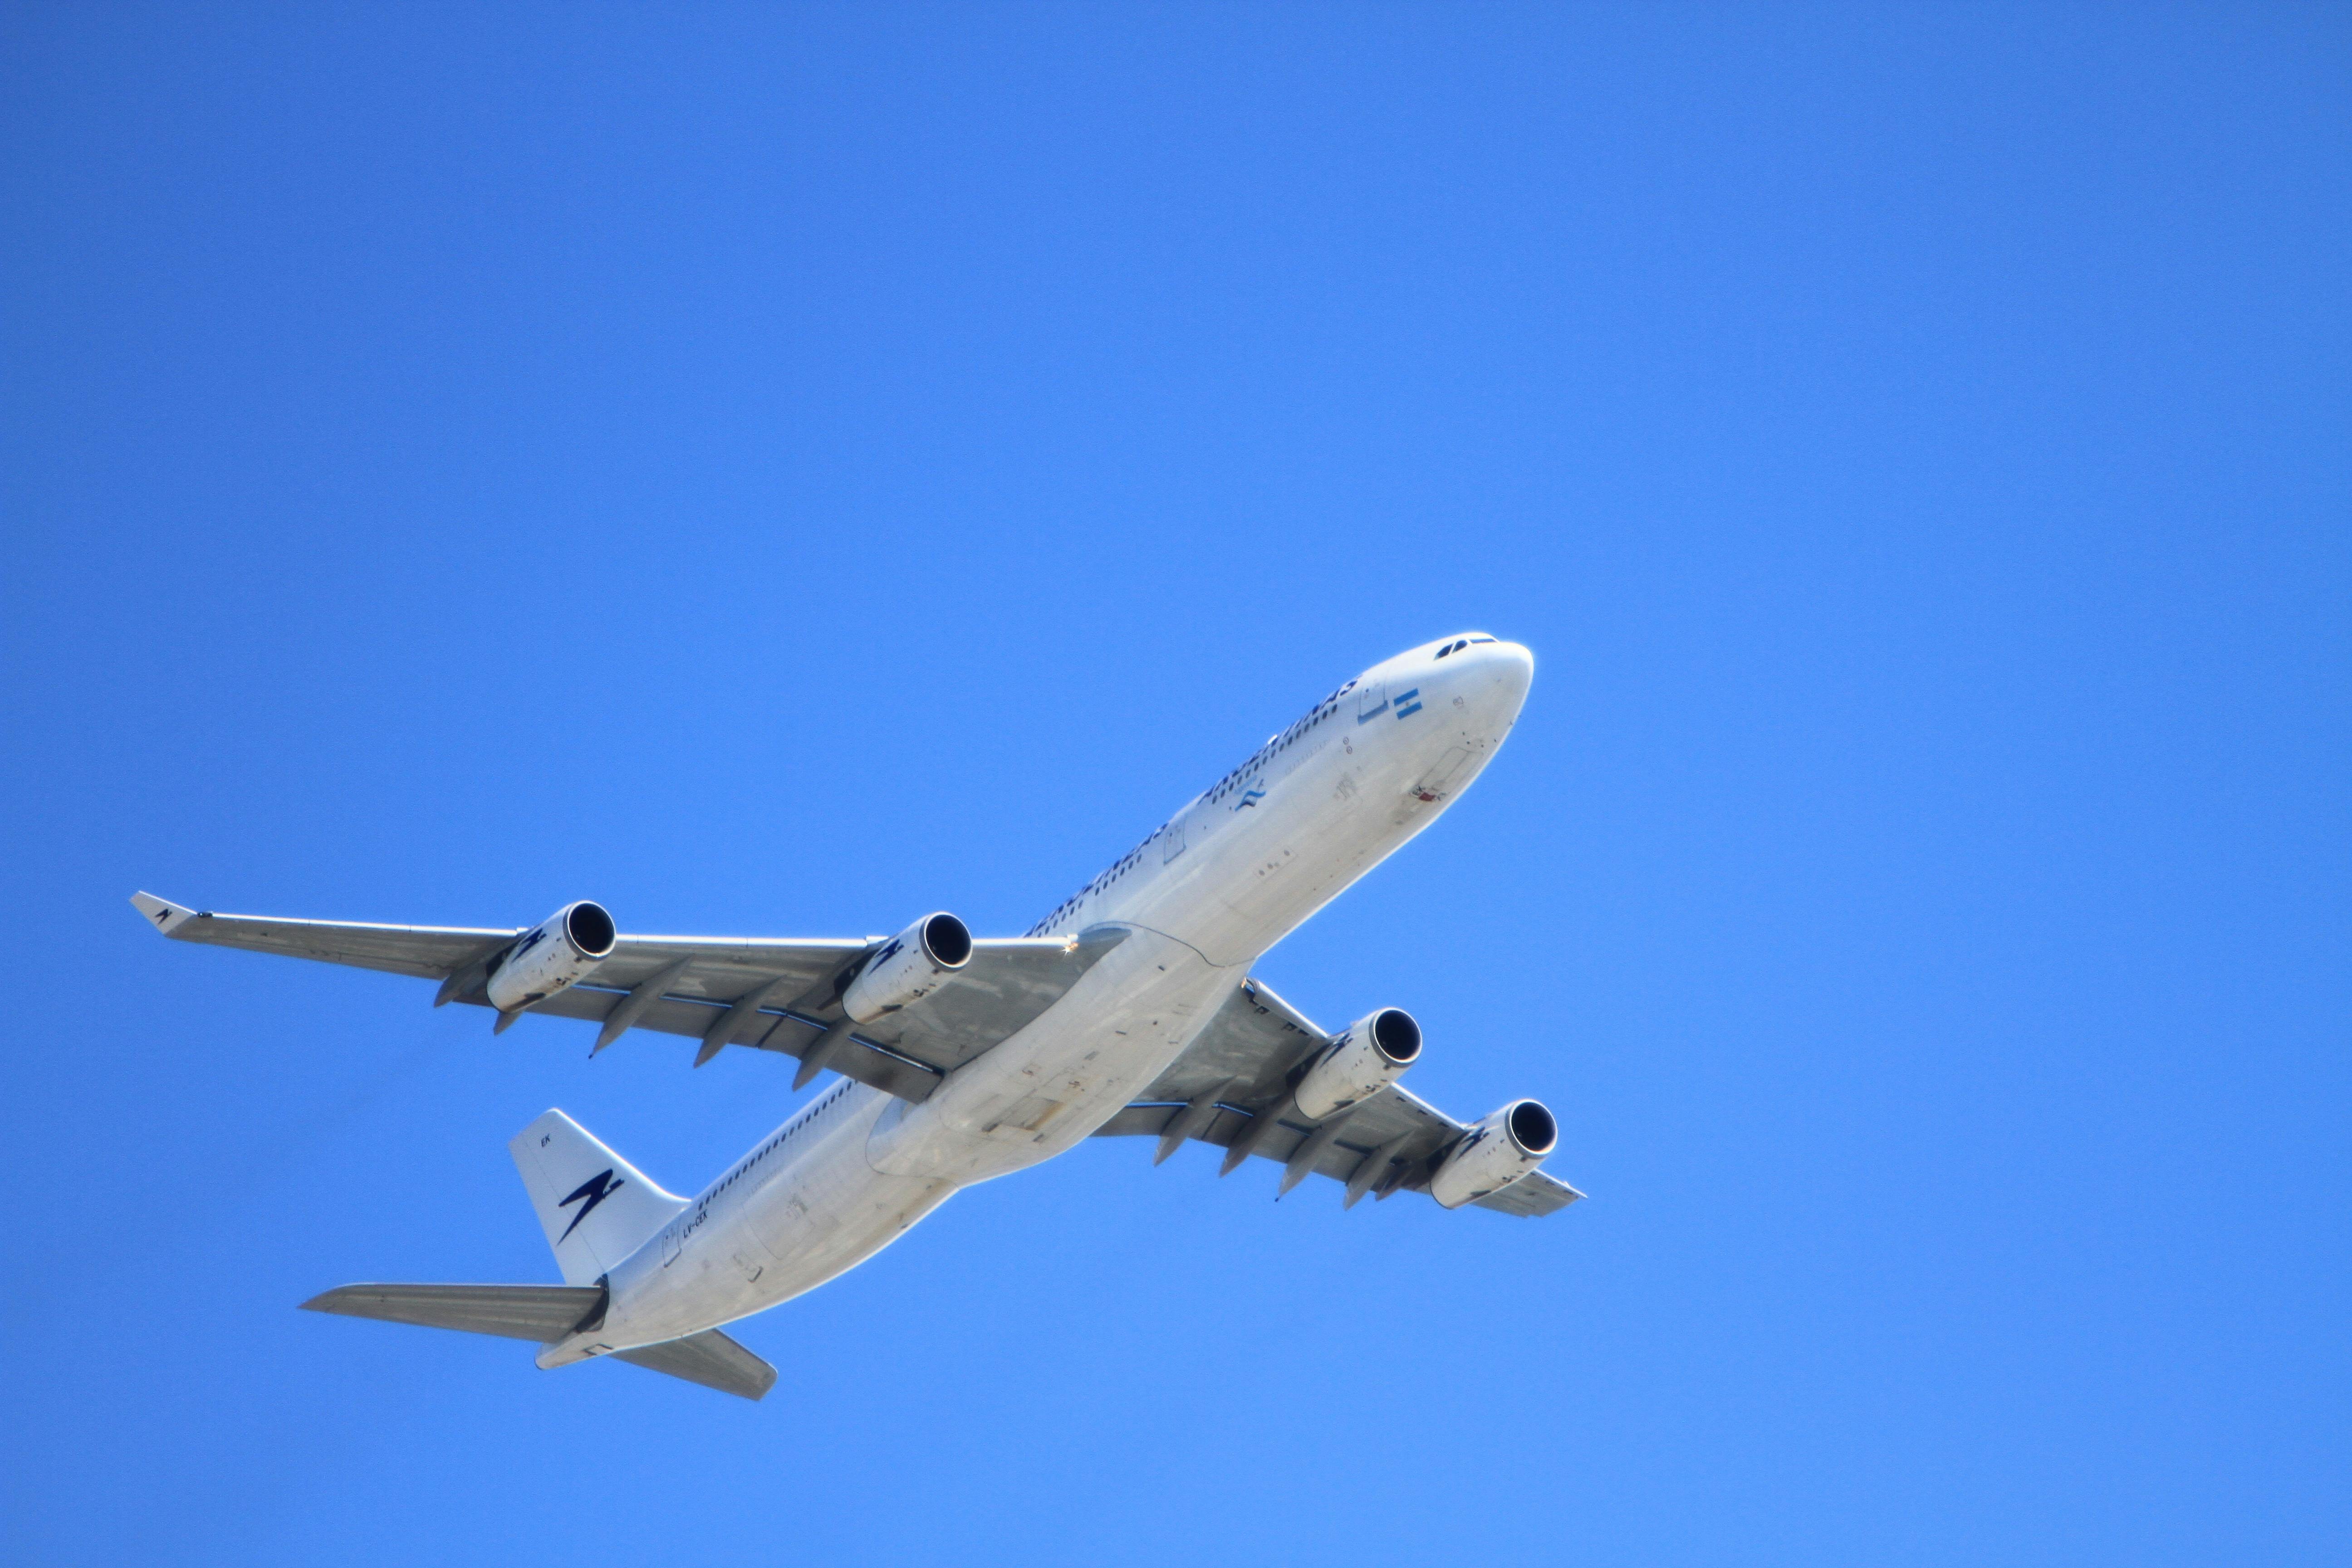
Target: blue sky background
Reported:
point(780, 471)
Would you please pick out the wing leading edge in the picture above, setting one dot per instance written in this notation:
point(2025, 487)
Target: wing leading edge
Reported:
point(781, 995)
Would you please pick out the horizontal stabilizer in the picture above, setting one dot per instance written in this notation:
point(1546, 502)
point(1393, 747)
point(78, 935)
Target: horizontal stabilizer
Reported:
point(540, 1312)
point(547, 1313)
point(708, 1358)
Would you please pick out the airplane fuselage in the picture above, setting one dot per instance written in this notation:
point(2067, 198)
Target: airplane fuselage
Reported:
point(1242, 866)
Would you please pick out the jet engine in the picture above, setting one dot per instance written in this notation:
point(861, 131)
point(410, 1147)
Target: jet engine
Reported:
point(1495, 1154)
point(1369, 1055)
point(560, 950)
point(908, 967)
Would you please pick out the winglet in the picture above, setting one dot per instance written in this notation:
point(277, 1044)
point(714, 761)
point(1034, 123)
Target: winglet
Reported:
point(167, 916)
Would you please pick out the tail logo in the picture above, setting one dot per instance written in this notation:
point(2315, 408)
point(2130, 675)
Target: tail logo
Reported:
point(595, 1189)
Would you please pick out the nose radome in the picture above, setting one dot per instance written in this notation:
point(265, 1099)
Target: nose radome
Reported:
point(1515, 660)
point(1497, 675)
point(1505, 664)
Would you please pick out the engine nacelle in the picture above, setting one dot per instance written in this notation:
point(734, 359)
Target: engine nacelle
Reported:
point(1372, 1054)
point(554, 953)
point(1495, 1154)
point(908, 967)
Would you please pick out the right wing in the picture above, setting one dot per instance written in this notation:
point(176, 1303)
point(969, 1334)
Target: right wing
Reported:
point(776, 995)
point(1231, 1088)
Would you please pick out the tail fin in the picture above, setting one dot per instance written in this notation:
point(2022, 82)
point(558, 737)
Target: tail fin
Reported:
point(595, 1206)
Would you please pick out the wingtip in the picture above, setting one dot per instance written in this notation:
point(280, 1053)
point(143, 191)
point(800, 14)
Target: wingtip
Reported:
point(162, 913)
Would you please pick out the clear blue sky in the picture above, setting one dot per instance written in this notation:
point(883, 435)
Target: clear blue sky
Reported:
point(781, 471)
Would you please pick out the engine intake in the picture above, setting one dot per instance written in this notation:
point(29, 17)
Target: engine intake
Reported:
point(1495, 1154)
point(908, 967)
point(1369, 1055)
point(557, 952)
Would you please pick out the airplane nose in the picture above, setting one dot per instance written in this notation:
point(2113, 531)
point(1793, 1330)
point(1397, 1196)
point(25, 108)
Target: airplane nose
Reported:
point(1515, 669)
point(1491, 680)
point(1506, 671)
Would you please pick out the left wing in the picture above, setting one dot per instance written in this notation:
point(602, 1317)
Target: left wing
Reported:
point(776, 995)
point(1232, 1088)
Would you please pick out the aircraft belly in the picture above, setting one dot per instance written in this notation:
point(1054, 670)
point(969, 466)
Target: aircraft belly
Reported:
point(829, 1210)
point(861, 1214)
point(1070, 1070)
point(816, 1218)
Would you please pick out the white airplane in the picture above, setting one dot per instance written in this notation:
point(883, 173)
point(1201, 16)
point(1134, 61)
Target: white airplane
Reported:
point(1126, 1010)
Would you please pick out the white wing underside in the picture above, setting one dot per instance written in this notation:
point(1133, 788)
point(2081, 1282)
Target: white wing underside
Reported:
point(1247, 1057)
point(1007, 983)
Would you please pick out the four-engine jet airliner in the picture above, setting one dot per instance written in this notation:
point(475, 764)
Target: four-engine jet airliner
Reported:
point(1128, 1009)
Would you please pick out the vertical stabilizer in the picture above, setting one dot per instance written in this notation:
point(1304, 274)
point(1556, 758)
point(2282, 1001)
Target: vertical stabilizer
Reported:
point(595, 1206)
